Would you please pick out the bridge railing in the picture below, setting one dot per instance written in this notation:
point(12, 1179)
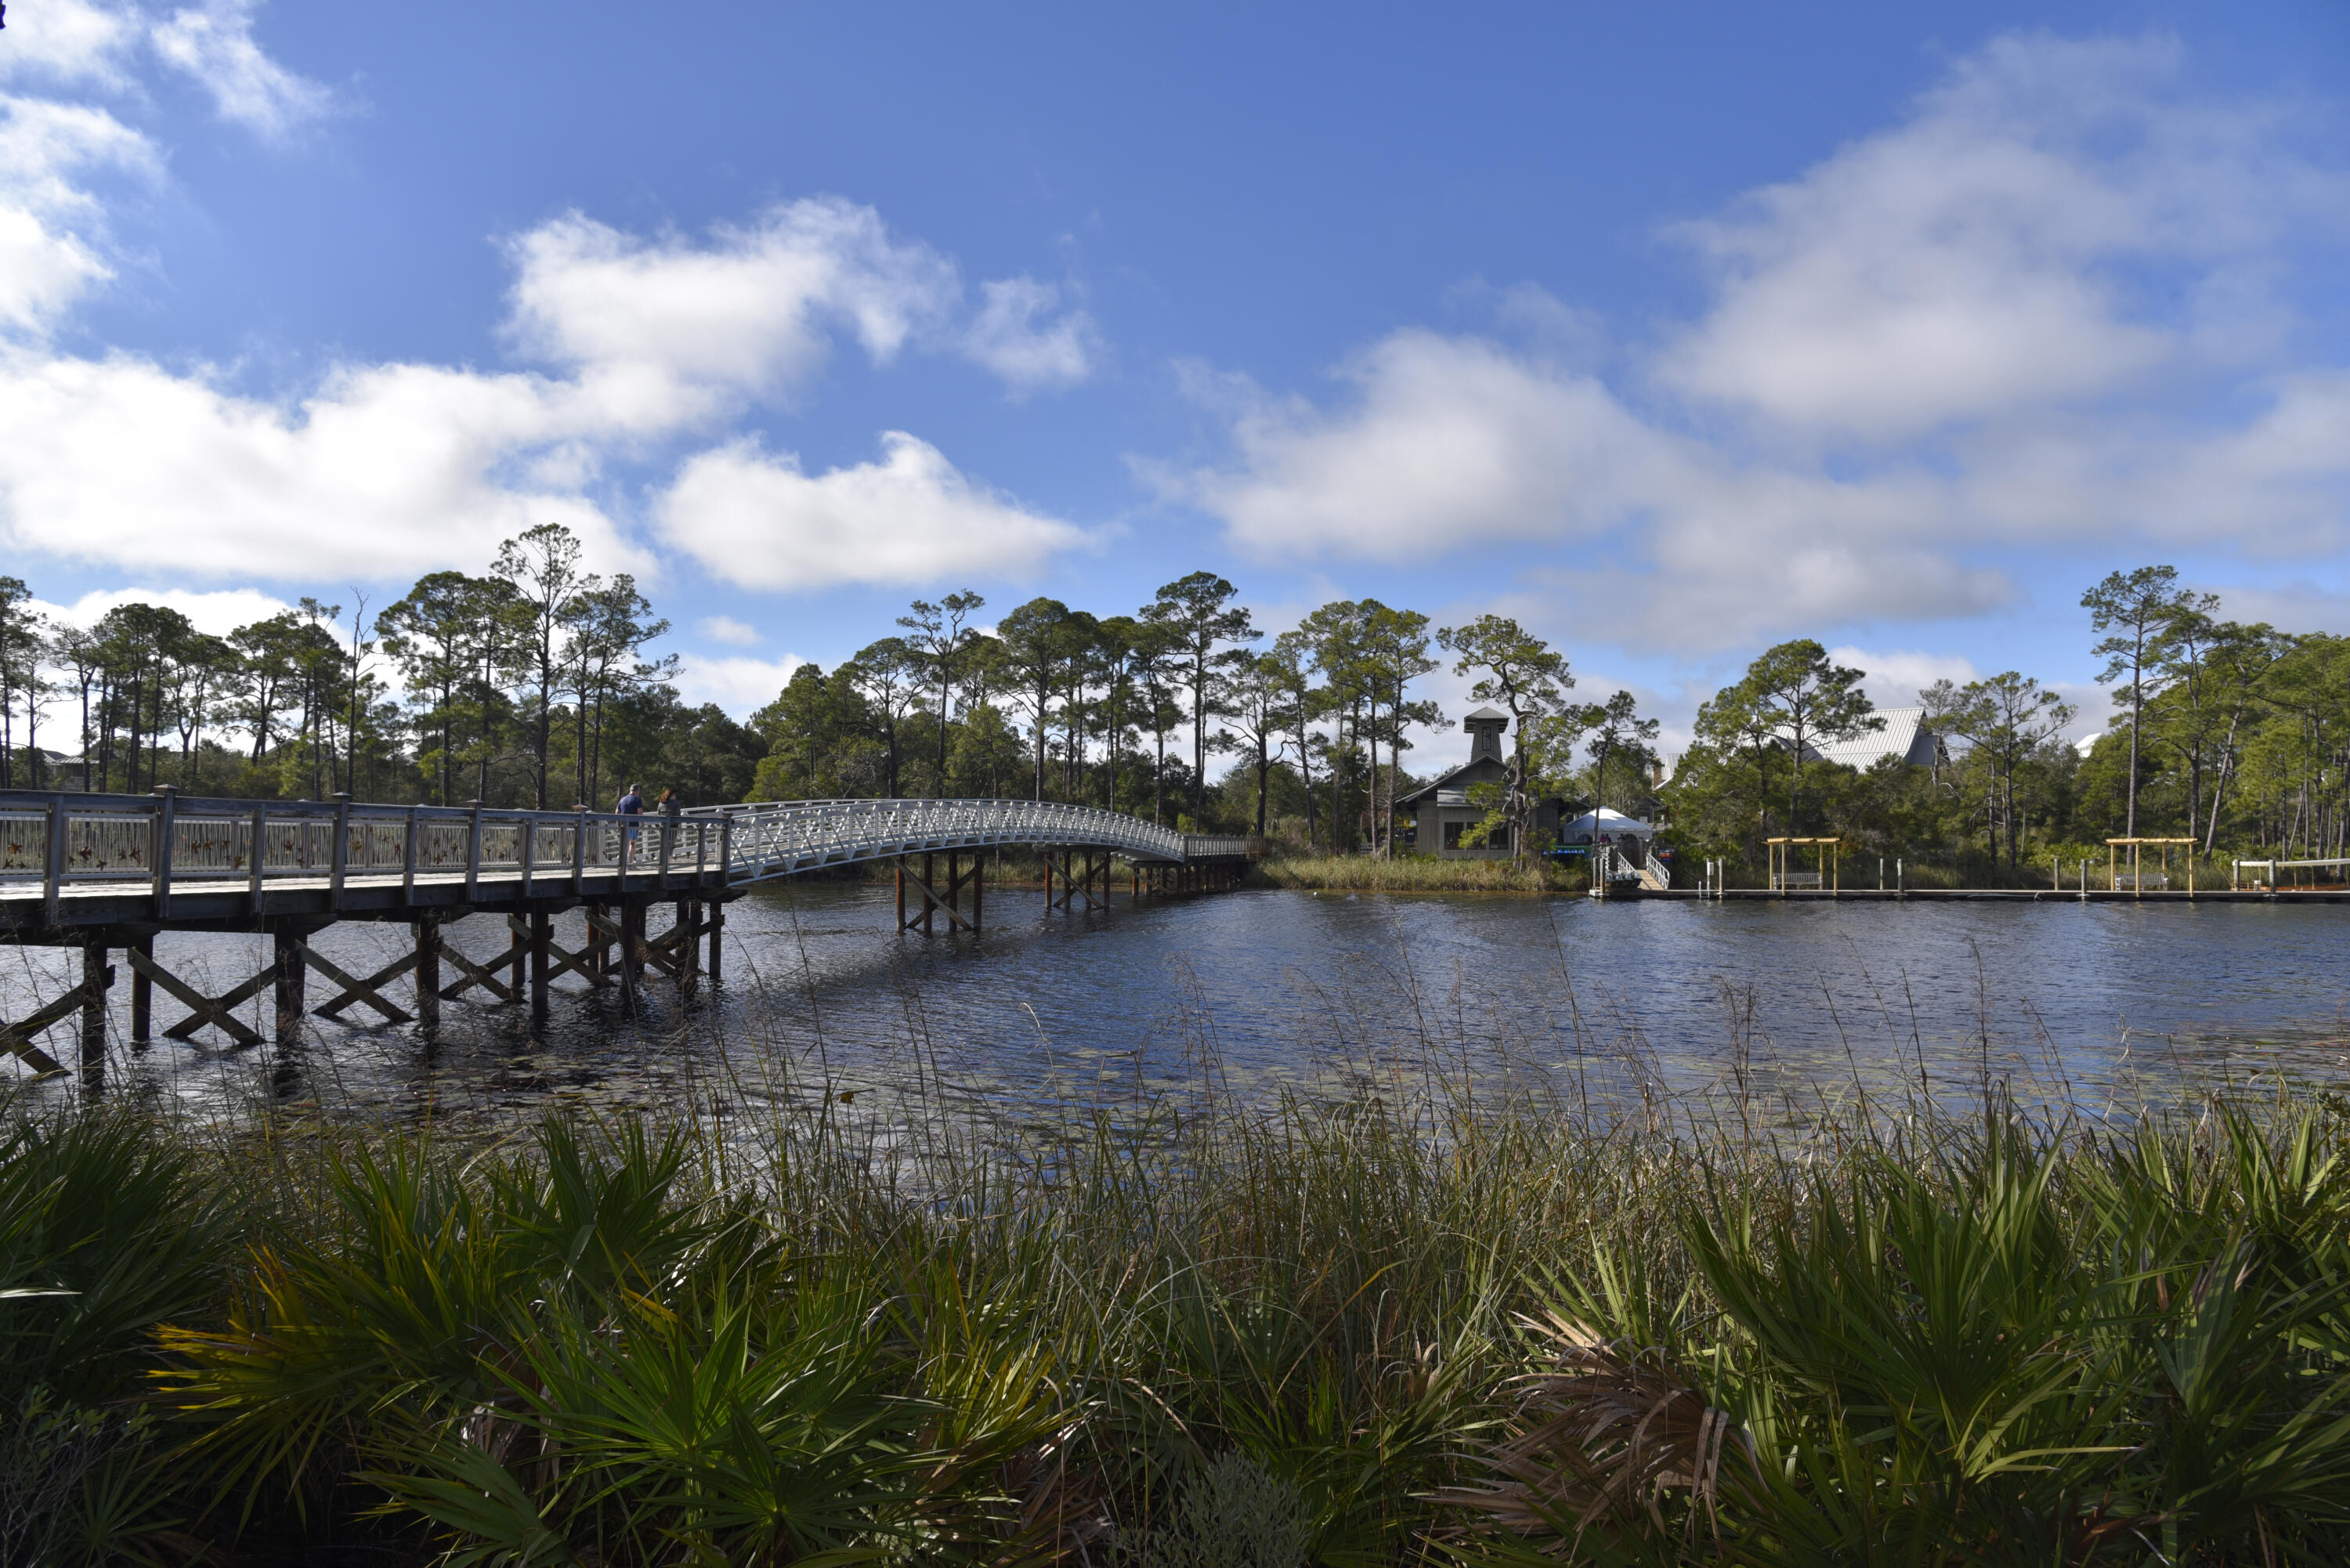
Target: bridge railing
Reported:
point(165, 841)
point(776, 838)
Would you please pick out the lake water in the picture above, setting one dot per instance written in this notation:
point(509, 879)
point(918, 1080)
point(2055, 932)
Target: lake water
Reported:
point(2105, 1007)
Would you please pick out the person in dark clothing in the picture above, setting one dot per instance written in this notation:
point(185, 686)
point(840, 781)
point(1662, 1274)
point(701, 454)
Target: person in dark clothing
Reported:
point(631, 803)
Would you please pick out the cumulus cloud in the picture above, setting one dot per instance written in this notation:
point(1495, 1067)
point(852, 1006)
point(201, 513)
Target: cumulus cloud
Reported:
point(384, 471)
point(656, 323)
point(1448, 444)
point(1446, 441)
point(213, 46)
point(678, 324)
point(756, 519)
point(2007, 321)
point(2024, 239)
point(216, 613)
point(51, 225)
point(1016, 335)
point(71, 43)
point(739, 685)
point(1894, 677)
point(725, 628)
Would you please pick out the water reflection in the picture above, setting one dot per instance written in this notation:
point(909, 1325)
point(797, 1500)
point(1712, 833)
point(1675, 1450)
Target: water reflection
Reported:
point(1647, 1004)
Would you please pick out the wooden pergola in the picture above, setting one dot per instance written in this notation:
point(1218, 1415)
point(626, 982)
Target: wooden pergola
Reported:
point(2114, 847)
point(1831, 862)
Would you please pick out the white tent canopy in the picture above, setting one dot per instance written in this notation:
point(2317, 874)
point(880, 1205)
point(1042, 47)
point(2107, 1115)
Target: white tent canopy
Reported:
point(1613, 824)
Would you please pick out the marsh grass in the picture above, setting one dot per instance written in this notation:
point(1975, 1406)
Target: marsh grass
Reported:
point(1412, 874)
point(1405, 1326)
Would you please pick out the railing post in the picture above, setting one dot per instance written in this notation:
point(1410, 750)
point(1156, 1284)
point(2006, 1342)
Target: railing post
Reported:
point(725, 857)
point(668, 844)
point(526, 837)
point(260, 858)
point(474, 853)
point(338, 860)
point(159, 851)
point(579, 854)
point(53, 869)
point(408, 855)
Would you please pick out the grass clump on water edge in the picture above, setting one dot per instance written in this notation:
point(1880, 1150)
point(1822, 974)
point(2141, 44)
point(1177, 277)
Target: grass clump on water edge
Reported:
point(1387, 1332)
point(1412, 874)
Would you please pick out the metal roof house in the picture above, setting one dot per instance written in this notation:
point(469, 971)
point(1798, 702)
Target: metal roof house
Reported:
point(1904, 735)
point(1440, 812)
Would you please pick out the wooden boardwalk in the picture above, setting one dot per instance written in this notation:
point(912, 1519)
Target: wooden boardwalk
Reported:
point(113, 873)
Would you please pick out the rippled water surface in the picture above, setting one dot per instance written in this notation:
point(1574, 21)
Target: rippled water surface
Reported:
point(2102, 1005)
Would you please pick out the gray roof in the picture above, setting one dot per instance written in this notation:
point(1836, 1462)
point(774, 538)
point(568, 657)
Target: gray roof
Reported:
point(1904, 735)
point(1486, 713)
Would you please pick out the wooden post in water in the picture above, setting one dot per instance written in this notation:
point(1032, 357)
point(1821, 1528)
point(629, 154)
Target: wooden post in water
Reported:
point(517, 951)
point(96, 976)
point(142, 992)
point(286, 957)
point(542, 930)
point(427, 932)
point(717, 934)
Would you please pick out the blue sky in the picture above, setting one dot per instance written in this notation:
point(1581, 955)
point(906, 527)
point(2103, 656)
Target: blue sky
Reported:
point(1672, 331)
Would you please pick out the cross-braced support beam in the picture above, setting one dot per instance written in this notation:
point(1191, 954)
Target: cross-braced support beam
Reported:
point(934, 899)
point(216, 1011)
point(368, 990)
point(18, 1037)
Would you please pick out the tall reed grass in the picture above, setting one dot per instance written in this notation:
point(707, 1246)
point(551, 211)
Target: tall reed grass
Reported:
point(1412, 874)
point(1359, 1331)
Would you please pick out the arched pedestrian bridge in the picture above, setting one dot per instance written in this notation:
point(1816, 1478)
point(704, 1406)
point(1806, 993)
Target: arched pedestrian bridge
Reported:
point(101, 872)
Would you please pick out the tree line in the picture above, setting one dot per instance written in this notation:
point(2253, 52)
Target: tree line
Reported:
point(2233, 735)
point(526, 685)
point(1126, 711)
point(530, 684)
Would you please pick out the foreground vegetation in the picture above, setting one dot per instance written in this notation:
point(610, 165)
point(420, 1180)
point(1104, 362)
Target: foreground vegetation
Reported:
point(1344, 1334)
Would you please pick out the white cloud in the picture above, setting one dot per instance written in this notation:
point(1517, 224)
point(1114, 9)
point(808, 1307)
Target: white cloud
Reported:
point(1455, 443)
point(1895, 675)
point(1448, 441)
point(216, 614)
point(71, 43)
point(675, 325)
point(912, 518)
point(384, 471)
point(655, 325)
point(50, 245)
point(214, 45)
point(725, 628)
point(2010, 322)
point(740, 686)
point(1987, 255)
point(1007, 338)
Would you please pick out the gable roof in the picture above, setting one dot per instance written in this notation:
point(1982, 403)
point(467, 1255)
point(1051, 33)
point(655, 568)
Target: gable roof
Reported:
point(1904, 735)
point(1496, 771)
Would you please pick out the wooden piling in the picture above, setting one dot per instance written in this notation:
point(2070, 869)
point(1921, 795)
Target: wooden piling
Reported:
point(427, 932)
point(96, 976)
point(542, 931)
point(717, 933)
point(143, 993)
point(286, 960)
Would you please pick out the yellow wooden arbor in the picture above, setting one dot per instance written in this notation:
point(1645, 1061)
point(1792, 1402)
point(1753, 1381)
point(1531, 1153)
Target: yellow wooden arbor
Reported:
point(1784, 876)
point(2114, 847)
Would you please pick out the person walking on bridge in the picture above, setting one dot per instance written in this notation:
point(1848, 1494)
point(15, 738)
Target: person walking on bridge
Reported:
point(631, 803)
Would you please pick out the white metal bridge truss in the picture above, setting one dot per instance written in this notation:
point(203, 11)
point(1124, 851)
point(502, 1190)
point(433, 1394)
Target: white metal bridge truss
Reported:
point(785, 838)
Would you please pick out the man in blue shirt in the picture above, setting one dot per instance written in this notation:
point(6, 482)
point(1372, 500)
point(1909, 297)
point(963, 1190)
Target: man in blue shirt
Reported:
point(631, 804)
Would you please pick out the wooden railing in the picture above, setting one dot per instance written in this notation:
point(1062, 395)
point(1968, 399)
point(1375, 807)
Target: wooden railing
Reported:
point(171, 844)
